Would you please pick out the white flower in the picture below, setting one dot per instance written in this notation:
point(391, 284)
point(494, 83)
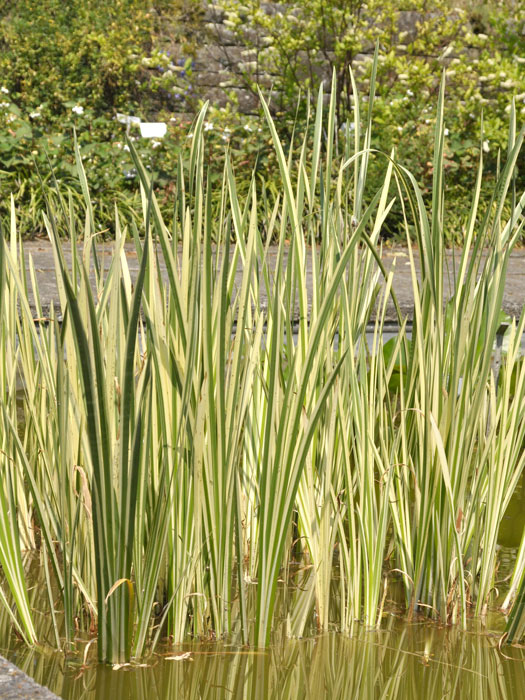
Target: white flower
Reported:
point(189, 136)
point(486, 148)
point(208, 126)
point(446, 132)
point(34, 115)
point(78, 109)
point(247, 127)
point(410, 93)
point(4, 105)
point(155, 143)
point(4, 90)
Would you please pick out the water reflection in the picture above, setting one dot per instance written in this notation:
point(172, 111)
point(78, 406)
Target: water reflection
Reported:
point(401, 661)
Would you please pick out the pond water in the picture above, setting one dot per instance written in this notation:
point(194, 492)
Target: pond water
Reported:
point(418, 660)
point(405, 660)
point(402, 660)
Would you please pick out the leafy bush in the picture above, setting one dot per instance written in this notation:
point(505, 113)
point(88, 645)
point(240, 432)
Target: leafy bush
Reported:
point(73, 66)
point(480, 48)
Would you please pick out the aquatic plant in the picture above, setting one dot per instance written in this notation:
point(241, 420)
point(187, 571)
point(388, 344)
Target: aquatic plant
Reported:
point(179, 448)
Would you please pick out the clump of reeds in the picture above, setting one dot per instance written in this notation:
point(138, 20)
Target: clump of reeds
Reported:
point(182, 444)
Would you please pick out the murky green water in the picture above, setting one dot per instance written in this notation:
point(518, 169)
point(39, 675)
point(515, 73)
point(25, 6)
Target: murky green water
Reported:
point(402, 660)
point(419, 660)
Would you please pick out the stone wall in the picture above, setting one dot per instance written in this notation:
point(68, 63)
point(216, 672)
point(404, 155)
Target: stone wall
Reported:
point(219, 65)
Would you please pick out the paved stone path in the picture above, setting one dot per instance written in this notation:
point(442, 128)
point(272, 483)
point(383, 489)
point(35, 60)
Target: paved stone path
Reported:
point(16, 685)
point(513, 302)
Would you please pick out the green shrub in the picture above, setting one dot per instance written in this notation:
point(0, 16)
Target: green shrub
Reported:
point(74, 65)
point(480, 48)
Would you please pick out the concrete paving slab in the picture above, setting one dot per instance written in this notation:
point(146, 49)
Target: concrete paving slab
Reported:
point(16, 685)
point(513, 301)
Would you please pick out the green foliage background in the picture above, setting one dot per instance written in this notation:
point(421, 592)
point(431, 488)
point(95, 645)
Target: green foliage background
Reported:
point(480, 45)
point(74, 65)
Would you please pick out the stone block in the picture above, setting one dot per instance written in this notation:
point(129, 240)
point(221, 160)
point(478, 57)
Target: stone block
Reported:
point(248, 103)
